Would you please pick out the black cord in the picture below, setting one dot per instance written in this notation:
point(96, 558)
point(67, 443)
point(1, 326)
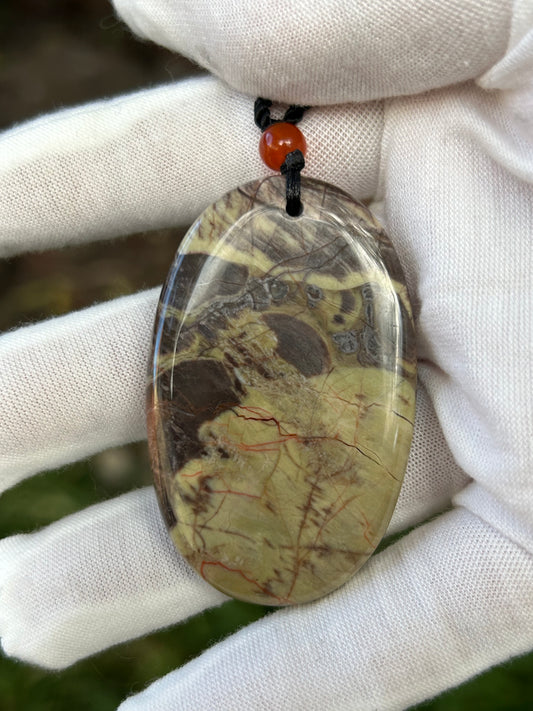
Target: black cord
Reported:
point(294, 162)
point(262, 113)
point(291, 169)
point(263, 118)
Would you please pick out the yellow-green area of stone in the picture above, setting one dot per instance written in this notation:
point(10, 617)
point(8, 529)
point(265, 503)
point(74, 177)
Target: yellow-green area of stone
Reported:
point(294, 484)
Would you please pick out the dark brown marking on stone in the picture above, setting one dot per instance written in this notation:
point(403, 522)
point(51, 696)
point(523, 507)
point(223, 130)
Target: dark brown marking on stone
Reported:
point(239, 386)
point(332, 258)
point(299, 344)
point(198, 391)
point(189, 448)
point(207, 332)
point(164, 503)
point(230, 278)
point(159, 474)
point(177, 292)
point(201, 390)
point(231, 360)
point(347, 301)
point(197, 497)
point(314, 295)
point(407, 335)
point(249, 359)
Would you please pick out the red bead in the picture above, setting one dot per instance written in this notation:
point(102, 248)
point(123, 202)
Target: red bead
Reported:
point(277, 141)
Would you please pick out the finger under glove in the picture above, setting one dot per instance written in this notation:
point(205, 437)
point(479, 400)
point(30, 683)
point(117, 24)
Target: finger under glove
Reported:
point(329, 52)
point(74, 385)
point(447, 601)
point(102, 576)
point(459, 208)
point(157, 159)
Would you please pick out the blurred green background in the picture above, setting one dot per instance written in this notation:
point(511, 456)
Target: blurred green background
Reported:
point(55, 54)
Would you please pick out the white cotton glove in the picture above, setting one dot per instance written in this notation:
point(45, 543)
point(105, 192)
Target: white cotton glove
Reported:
point(451, 174)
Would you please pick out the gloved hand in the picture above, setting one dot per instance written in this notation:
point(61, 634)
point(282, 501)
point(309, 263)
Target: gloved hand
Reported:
point(450, 172)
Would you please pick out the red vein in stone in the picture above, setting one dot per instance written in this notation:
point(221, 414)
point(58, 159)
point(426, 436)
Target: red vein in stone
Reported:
point(298, 560)
point(204, 524)
point(196, 532)
point(266, 446)
point(190, 476)
point(240, 572)
point(309, 253)
point(286, 436)
point(227, 531)
point(329, 519)
point(228, 490)
point(368, 530)
point(231, 491)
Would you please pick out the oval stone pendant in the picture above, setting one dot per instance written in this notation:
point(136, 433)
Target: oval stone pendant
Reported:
point(282, 392)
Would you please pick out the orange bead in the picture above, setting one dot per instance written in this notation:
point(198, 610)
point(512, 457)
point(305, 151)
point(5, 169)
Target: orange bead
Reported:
point(277, 141)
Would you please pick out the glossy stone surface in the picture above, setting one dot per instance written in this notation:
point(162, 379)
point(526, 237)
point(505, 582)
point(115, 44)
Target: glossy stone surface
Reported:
point(282, 392)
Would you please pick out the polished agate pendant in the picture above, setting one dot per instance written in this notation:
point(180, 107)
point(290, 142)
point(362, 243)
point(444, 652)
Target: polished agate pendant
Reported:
point(282, 392)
